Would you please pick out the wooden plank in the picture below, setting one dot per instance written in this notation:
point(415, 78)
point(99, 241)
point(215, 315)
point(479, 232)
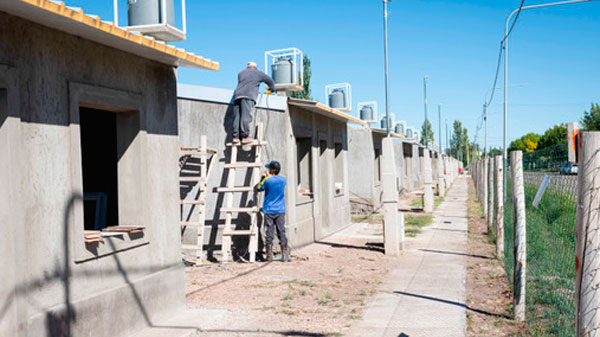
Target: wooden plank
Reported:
point(242, 165)
point(192, 224)
point(252, 143)
point(192, 202)
point(191, 247)
point(235, 189)
point(239, 210)
point(191, 179)
point(239, 233)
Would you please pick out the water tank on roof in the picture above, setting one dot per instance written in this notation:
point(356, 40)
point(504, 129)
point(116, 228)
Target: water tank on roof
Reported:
point(399, 129)
point(282, 70)
point(384, 122)
point(337, 99)
point(149, 12)
point(366, 113)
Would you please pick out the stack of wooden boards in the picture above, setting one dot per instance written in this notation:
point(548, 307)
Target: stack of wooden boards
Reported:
point(91, 236)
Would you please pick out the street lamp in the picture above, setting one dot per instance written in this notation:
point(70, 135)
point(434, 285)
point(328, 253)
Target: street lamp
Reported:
point(505, 44)
point(385, 51)
point(425, 103)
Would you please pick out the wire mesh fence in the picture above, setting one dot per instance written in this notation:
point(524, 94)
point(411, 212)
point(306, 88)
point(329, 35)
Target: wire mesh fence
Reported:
point(548, 159)
point(550, 247)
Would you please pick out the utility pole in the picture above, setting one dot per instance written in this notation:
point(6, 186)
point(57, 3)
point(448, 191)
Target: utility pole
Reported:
point(440, 126)
point(385, 51)
point(447, 145)
point(425, 103)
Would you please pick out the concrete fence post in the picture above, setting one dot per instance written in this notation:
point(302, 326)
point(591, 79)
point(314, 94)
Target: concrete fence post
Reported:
point(484, 180)
point(393, 225)
point(490, 206)
point(499, 208)
point(441, 183)
point(587, 243)
point(427, 182)
point(520, 241)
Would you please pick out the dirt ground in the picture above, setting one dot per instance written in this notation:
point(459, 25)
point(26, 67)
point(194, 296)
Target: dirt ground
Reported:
point(320, 293)
point(489, 298)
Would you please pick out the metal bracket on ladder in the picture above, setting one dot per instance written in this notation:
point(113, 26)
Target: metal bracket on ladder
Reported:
point(233, 165)
point(206, 157)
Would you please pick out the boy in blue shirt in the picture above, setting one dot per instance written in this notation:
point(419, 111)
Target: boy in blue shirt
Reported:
point(274, 208)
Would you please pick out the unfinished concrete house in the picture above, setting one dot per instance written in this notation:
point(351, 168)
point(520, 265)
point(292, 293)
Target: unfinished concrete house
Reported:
point(310, 141)
point(89, 188)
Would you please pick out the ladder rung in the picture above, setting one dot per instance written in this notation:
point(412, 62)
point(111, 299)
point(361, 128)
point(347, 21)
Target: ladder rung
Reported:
point(192, 224)
point(235, 189)
point(239, 232)
point(242, 165)
point(196, 149)
point(193, 247)
point(240, 210)
point(191, 178)
point(252, 143)
point(192, 202)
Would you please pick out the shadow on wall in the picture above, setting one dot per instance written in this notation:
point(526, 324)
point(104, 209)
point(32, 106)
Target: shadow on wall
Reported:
point(59, 322)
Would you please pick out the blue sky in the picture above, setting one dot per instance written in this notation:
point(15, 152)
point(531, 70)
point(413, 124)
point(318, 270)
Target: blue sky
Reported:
point(555, 51)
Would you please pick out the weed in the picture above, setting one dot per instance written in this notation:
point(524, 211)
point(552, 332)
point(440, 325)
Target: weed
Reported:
point(288, 297)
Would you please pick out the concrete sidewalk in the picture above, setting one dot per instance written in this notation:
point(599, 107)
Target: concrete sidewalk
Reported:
point(425, 293)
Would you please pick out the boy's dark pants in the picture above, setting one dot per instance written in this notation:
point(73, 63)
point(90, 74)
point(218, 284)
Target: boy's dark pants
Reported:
point(272, 221)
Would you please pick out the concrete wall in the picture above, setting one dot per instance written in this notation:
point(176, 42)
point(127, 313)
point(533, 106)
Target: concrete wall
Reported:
point(207, 111)
point(54, 284)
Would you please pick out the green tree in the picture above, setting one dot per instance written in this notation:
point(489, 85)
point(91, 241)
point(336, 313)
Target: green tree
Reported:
point(591, 119)
point(459, 142)
point(305, 93)
point(426, 129)
point(527, 143)
point(553, 136)
point(495, 152)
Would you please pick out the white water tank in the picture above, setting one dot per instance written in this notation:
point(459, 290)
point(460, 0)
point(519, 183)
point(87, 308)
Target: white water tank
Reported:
point(149, 12)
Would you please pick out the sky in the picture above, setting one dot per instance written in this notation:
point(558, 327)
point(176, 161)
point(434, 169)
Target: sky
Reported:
point(554, 54)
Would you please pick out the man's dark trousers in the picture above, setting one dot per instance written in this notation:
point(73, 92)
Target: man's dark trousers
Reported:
point(242, 117)
point(272, 221)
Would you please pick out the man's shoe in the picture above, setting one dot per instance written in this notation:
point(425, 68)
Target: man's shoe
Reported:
point(236, 141)
point(285, 253)
point(269, 253)
point(247, 140)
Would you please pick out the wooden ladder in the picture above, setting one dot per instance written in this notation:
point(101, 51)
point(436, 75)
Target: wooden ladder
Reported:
point(206, 160)
point(230, 189)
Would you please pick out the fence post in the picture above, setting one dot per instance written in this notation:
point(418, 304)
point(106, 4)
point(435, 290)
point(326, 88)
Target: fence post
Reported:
point(520, 241)
point(484, 182)
point(427, 182)
point(492, 189)
point(587, 244)
point(499, 208)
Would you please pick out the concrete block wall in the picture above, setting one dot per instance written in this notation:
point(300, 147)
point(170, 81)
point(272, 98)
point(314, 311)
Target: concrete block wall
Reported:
point(53, 283)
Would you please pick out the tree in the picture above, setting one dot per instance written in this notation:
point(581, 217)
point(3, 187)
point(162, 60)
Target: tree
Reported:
point(553, 136)
point(459, 142)
point(305, 93)
point(495, 152)
point(426, 129)
point(527, 143)
point(591, 119)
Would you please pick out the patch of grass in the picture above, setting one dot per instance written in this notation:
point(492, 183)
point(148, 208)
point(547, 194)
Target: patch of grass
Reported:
point(417, 220)
point(340, 270)
point(417, 203)
point(302, 292)
point(288, 297)
point(469, 321)
point(368, 218)
point(352, 317)
point(323, 302)
point(265, 308)
point(335, 334)
point(437, 201)
point(412, 232)
point(309, 284)
point(288, 312)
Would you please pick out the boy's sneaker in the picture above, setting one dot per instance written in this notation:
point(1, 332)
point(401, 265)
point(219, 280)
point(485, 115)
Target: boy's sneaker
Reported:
point(236, 141)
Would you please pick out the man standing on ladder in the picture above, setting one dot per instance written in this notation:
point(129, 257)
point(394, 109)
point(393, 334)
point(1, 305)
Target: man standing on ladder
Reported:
point(244, 99)
point(274, 209)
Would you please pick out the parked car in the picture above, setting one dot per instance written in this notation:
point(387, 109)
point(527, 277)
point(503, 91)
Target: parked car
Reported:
point(568, 169)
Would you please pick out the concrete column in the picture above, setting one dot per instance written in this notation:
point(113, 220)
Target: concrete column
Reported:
point(490, 205)
point(587, 242)
point(441, 183)
point(427, 183)
point(393, 225)
point(484, 179)
point(520, 240)
point(499, 208)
